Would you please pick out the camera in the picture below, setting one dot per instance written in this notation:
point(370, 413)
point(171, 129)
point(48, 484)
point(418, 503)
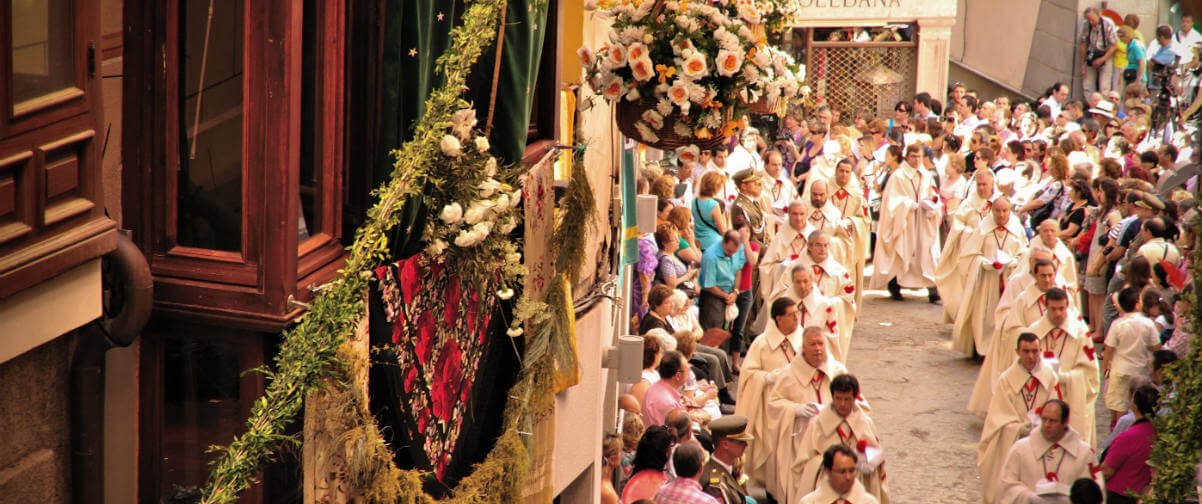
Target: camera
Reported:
point(1160, 73)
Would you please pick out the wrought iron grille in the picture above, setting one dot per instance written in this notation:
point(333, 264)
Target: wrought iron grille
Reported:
point(862, 78)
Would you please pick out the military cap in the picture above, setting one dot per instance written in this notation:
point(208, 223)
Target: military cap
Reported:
point(731, 427)
point(746, 175)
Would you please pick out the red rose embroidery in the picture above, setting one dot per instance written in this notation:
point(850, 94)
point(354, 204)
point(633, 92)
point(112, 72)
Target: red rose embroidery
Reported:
point(1047, 354)
point(793, 257)
point(425, 337)
point(997, 265)
point(1053, 477)
point(849, 289)
point(410, 378)
point(1039, 410)
point(935, 199)
point(828, 309)
point(861, 445)
point(410, 278)
point(448, 377)
point(1089, 351)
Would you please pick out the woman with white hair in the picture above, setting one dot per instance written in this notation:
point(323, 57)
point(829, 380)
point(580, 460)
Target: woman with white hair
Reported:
point(716, 363)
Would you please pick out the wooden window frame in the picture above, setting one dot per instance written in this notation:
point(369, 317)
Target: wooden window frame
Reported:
point(50, 172)
point(251, 288)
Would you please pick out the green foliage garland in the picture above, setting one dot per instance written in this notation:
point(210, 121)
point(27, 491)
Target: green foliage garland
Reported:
point(1178, 446)
point(309, 351)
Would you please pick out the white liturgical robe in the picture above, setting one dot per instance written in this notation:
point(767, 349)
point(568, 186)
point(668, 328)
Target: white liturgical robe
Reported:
point(828, 428)
point(799, 383)
point(1073, 352)
point(824, 494)
point(769, 353)
point(1035, 463)
point(852, 209)
point(988, 256)
point(835, 282)
point(950, 272)
point(783, 251)
point(1016, 396)
point(907, 237)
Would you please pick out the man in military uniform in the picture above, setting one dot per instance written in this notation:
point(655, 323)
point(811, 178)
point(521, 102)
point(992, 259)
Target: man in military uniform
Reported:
point(720, 477)
point(747, 205)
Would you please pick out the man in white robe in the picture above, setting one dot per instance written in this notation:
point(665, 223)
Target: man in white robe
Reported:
point(950, 273)
point(1041, 468)
point(1067, 348)
point(848, 198)
point(842, 422)
point(833, 281)
point(815, 309)
point(823, 216)
point(1062, 257)
point(779, 190)
point(989, 255)
point(1028, 308)
point(840, 483)
point(795, 399)
point(783, 250)
point(765, 357)
point(907, 238)
point(1019, 392)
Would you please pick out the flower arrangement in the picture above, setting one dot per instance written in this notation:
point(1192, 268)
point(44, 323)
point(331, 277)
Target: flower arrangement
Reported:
point(691, 68)
point(476, 205)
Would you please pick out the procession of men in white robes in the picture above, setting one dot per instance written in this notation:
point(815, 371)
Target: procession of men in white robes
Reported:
point(1011, 301)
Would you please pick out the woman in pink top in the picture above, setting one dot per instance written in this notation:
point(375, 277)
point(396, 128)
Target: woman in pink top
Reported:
point(1126, 466)
point(650, 460)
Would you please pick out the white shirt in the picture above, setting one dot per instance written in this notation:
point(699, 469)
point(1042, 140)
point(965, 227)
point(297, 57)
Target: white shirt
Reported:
point(1131, 335)
point(1183, 45)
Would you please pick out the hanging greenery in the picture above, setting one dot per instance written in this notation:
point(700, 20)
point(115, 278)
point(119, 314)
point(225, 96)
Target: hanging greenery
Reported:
point(1178, 448)
point(310, 351)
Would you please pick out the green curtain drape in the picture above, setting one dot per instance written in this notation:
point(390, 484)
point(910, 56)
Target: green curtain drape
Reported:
point(525, 29)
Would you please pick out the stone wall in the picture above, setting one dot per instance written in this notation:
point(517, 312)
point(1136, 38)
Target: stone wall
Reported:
point(35, 447)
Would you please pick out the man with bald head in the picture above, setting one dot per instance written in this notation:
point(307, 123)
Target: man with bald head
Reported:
point(784, 249)
point(1048, 237)
point(951, 273)
point(907, 242)
point(989, 255)
point(793, 401)
point(823, 216)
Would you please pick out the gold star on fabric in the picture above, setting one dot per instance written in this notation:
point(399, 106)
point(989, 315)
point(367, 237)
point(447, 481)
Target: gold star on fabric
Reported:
point(440, 16)
point(413, 53)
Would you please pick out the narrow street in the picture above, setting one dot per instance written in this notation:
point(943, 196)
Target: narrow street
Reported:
point(918, 388)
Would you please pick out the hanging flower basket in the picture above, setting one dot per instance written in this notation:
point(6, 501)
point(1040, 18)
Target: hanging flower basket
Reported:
point(631, 121)
point(683, 73)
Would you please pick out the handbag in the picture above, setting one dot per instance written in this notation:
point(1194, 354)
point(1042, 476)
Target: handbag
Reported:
point(1129, 75)
point(1042, 213)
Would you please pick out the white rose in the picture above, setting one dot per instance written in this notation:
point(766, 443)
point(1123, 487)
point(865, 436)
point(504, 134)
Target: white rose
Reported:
point(451, 213)
point(514, 257)
point(489, 187)
point(462, 122)
point(482, 144)
point(514, 332)
point(502, 202)
point(450, 146)
point(515, 197)
point(490, 168)
point(505, 293)
point(482, 229)
point(466, 238)
point(475, 213)
point(508, 226)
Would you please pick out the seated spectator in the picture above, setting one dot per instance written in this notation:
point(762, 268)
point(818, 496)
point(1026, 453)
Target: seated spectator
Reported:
point(650, 459)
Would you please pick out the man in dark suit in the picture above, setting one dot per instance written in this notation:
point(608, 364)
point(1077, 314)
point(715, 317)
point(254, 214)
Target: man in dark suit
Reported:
point(720, 477)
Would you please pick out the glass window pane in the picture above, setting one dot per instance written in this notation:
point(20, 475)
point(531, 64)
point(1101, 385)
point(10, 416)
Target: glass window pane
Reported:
point(210, 158)
point(43, 54)
point(310, 197)
point(201, 407)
